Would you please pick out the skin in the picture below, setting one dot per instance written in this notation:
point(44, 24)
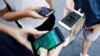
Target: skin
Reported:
point(28, 12)
point(53, 52)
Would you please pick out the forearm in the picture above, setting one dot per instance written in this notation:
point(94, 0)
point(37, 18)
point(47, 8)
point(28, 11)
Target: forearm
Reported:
point(70, 4)
point(15, 15)
point(50, 3)
point(12, 16)
point(6, 29)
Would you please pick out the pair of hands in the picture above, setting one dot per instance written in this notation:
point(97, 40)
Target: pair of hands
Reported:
point(21, 35)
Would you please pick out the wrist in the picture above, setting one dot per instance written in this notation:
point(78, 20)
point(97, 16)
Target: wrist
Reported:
point(23, 14)
point(1, 27)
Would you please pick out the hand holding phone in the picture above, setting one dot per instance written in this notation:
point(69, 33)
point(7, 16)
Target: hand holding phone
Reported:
point(48, 41)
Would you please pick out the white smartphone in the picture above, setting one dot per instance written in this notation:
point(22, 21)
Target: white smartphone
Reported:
point(71, 19)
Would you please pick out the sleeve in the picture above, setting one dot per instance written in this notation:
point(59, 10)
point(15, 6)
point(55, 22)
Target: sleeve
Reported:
point(4, 51)
point(2, 4)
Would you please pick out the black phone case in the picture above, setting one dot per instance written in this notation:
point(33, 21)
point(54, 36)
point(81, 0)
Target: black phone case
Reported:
point(46, 12)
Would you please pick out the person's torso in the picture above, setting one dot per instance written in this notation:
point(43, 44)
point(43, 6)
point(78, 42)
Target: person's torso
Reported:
point(18, 5)
point(91, 8)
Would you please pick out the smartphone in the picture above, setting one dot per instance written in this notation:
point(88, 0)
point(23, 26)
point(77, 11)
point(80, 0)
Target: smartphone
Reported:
point(46, 12)
point(48, 41)
point(71, 19)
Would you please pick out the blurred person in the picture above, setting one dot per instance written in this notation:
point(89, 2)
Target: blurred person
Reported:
point(91, 30)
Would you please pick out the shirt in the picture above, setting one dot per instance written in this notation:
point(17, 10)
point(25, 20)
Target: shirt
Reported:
point(91, 8)
point(10, 47)
point(18, 5)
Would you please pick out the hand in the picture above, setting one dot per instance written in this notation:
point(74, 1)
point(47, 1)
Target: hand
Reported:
point(54, 52)
point(34, 32)
point(93, 29)
point(21, 35)
point(31, 12)
point(69, 6)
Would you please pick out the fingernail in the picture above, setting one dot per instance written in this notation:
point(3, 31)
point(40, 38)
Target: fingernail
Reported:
point(41, 48)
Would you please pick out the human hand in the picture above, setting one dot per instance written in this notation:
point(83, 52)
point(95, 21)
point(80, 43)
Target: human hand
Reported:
point(34, 32)
point(21, 35)
point(69, 6)
point(93, 29)
point(31, 12)
point(54, 52)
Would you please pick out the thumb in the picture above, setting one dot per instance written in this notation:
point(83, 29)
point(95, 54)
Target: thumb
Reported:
point(39, 34)
point(43, 52)
point(42, 32)
point(79, 10)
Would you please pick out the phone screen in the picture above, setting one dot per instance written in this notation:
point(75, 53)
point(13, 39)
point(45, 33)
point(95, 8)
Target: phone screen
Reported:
point(48, 41)
point(71, 19)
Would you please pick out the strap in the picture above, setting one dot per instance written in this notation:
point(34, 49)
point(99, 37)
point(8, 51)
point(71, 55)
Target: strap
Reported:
point(20, 26)
point(15, 21)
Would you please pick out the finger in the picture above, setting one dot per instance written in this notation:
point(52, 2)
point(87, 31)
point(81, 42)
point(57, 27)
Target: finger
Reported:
point(52, 51)
point(36, 15)
point(33, 8)
point(37, 36)
point(42, 32)
point(67, 10)
point(79, 10)
point(58, 49)
point(38, 32)
point(43, 52)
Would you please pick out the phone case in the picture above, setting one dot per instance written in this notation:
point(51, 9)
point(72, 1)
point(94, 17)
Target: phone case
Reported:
point(46, 12)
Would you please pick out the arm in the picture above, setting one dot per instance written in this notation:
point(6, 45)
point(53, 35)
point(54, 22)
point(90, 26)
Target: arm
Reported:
point(6, 29)
point(50, 3)
point(69, 4)
point(12, 15)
